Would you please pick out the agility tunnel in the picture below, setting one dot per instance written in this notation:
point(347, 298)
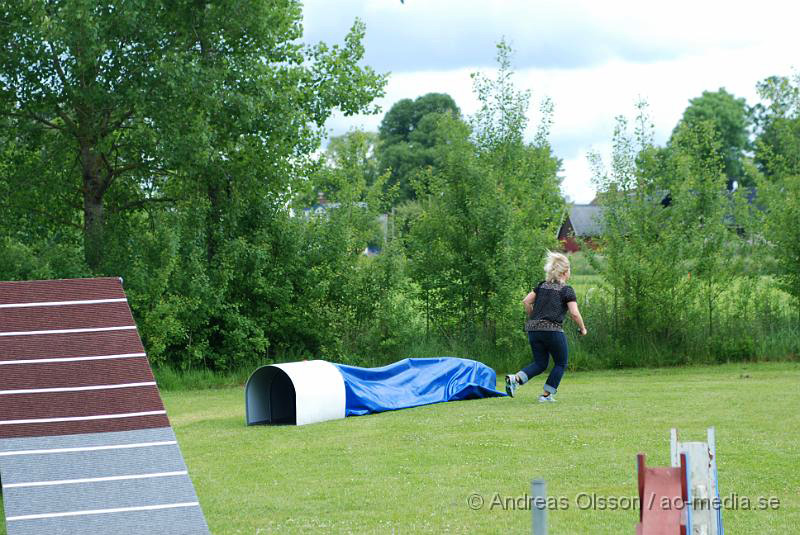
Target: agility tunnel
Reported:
point(299, 393)
point(682, 499)
point(85, 444)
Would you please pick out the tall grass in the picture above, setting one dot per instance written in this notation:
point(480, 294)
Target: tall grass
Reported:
point(169, 379)
point(752, 320)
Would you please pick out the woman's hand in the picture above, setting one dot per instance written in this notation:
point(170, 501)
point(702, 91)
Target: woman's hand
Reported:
point(572, 306)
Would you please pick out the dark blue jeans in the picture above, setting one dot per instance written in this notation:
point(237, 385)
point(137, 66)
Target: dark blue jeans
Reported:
point(543, 345)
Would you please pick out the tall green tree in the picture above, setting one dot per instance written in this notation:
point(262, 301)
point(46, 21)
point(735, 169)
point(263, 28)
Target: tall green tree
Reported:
point(778, 156)
point(82, 70)
point(140, 92)
point(352, 293)
point(705, 212)
point(489, 210)
point(643, 247)
point(781, 224)
point(407, 138)
point(731, 121)
point(777, 125)
point(669, 247)
point(174, 134)
point(242, 149)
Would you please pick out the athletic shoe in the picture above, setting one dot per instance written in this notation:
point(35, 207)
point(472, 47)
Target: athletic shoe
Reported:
point(547, 399)
point(511, 384)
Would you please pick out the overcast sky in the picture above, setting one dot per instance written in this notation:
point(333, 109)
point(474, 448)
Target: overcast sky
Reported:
point(593, 59)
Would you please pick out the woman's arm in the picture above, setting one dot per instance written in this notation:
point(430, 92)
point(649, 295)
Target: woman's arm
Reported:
point(575, 314)
point(528, 303)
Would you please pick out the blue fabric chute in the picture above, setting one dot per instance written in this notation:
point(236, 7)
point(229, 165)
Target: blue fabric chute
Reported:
point(414, 382)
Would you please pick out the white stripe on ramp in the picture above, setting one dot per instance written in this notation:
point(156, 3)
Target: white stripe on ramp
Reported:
point(104, 511)
point(69, 331)
point(71, 359)
point(93, 480)
point(63, 303)
point(74, 388)
point(81, 418)
point(89, 448)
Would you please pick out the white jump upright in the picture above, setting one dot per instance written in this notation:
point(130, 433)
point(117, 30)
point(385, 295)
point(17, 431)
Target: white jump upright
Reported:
point(704, 507)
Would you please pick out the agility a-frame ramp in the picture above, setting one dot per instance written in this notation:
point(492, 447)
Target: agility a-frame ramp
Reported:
point(85, 444)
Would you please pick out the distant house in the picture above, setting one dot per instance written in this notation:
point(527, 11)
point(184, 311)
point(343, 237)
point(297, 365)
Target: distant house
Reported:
point(584, 221)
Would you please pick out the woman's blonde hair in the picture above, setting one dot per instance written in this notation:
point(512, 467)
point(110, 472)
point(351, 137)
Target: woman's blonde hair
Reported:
point(555, 267)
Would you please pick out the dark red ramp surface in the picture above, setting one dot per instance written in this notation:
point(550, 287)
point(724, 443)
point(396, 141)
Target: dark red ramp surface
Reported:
point(662, 493)
point(85, 443)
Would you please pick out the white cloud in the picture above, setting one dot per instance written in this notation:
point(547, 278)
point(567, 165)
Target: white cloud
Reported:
point(593, 59)
point(448, 34)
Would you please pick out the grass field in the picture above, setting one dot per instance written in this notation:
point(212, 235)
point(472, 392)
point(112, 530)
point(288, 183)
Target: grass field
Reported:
point(412, 471)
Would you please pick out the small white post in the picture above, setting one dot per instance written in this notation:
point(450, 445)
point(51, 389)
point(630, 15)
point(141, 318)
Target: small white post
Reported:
point(674, 454)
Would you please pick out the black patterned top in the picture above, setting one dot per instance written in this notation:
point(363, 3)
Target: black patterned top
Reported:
point(550, 306)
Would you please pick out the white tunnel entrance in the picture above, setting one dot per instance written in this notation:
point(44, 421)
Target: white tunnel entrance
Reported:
point(295, 393)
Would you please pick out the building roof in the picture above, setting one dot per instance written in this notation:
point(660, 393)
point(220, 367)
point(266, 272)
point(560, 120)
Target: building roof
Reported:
point(586, 219)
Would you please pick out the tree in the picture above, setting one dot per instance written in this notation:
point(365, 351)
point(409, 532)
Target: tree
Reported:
point(642, 243)
point(407, 137)
point(350, 152)
point(777, 122)
point(81, 70)
point(781, 223)
point(192, 124)
point(489, 208)
point(350, 292)
point(730, 118)
point(142, 91)
point(778, 156)
point(242, 149)
point(700, 205)
point(669, 247)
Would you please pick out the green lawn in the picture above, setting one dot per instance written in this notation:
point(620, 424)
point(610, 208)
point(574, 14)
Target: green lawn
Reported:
point(412, 471)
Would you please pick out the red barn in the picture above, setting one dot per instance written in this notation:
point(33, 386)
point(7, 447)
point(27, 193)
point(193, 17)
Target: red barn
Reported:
point(583, 221)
